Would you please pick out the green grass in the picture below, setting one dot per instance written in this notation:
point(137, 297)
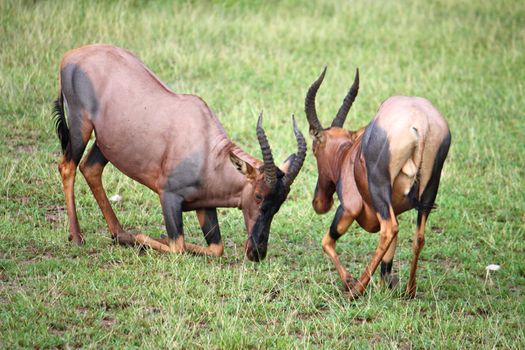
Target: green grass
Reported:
point(467, 57)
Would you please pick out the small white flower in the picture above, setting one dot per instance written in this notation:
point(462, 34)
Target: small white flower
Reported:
point(116, 198)
point(490, 268)
point(493, 267)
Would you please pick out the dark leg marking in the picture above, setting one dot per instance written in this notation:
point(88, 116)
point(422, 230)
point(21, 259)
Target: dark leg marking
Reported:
point(172, 211)
point(334, 234)
point(386, 268)
point(210, 226)
point(390, 279)
point(95, 157)
point(377, 156)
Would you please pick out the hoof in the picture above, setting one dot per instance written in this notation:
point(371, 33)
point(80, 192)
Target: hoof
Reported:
point(77, 240)
point(391, 281)
point(410, 294)
point(349, 283)
point(124, 238)
point(354, 293)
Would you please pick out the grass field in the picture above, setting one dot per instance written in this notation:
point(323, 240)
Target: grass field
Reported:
point(467, 57)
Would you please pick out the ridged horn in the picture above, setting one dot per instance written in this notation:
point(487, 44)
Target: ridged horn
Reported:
point(298, 161)
point(309, 104)
point(269, 166)
point(347, 102)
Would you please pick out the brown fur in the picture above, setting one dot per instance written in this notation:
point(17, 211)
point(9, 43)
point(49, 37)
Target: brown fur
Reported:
point(414, 131)
point(150, 133)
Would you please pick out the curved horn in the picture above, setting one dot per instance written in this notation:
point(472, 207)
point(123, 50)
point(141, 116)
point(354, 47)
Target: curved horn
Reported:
point(269, 166)
point(298, 161)
point(309, 104)
point(347, 102)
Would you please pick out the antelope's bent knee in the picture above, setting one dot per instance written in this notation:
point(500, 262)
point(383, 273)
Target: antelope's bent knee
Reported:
point(328, 243)
point(334, 232)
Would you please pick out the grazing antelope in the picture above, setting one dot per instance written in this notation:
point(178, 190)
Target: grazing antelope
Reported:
point(379, 171)
point(172, 143)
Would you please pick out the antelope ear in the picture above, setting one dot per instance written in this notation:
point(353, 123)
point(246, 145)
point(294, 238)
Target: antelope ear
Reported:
point(243, 167)
point(286, 164)
point(316, 135)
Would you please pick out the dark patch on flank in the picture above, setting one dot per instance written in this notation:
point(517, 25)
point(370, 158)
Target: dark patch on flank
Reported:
point(78, 89)
point(80, 98)
point(184, 179)
point(210, 228)
point(376, 151)
point(334, 234)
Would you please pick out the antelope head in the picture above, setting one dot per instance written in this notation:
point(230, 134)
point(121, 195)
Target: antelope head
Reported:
point(327, 142)
point(267, 189)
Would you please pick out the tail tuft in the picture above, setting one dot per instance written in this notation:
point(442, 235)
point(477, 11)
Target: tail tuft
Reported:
point(60, 124)
point(416, 203)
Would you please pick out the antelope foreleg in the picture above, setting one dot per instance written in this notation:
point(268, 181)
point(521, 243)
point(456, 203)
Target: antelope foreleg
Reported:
point(340, 224)
point(209, 225)
point(389, 229)
point(160, 245)
point(210, 229)
point(212, 250)
point(149, 242)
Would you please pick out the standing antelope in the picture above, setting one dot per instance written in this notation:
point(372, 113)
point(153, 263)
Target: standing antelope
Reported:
point(171, 143)
point(379, 171)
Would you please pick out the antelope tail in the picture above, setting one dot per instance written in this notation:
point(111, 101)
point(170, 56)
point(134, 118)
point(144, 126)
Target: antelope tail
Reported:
point(60, 123)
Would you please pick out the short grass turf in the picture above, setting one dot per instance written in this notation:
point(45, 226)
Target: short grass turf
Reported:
point(467, 57)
